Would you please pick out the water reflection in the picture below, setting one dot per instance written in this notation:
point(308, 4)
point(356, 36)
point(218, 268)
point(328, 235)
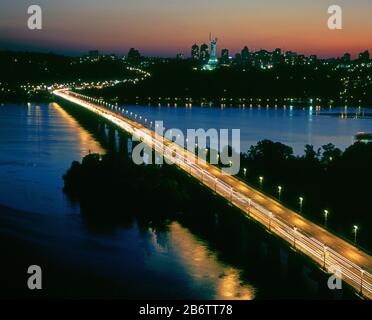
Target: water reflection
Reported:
point(37, 144)
point(202, 265)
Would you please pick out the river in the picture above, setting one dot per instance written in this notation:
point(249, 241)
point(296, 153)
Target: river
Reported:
point(232, 258)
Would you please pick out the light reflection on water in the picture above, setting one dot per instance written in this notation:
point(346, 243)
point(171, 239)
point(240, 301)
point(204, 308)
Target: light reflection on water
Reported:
point(202, 265)
point(37, 145)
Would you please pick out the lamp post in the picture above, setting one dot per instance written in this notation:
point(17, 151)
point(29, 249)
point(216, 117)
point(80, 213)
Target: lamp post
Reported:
point(326, 212)
point(355, 230)
point(261, 181)
point(301, 202)
point(279, 192)
point(245, 173)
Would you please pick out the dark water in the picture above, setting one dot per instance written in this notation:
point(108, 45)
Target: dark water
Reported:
point(292, 126)
point(231, 258)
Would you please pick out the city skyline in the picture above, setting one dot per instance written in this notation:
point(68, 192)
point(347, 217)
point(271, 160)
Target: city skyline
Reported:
point(165, 28)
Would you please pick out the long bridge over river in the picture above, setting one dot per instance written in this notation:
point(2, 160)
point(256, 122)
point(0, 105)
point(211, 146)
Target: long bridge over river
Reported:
point(328, 250)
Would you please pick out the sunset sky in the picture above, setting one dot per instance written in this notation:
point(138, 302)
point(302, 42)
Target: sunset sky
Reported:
point(166, 27)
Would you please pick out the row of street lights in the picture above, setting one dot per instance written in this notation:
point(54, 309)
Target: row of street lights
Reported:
point(301, 202)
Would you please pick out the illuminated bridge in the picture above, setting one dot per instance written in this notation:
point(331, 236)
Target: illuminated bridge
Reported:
point(330, 251)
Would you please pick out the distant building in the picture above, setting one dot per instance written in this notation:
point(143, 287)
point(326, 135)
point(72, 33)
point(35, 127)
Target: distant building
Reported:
point(225, 59)
point(277, 52)
point(245, 54)
point(313, 58)
point(364, 56)
point(238, 59)
point(195, 53)
point(179, 56)
point(346, 58)
point(133, 55)
point(204, 52)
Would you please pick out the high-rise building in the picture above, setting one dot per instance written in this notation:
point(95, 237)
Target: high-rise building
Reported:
point(204, 52)
point(133, 55)
point(238, 59)
point(245, 54)
point(225, 56)
point(195, 52)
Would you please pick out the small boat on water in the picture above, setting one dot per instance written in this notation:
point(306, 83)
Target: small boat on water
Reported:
point(363, 137)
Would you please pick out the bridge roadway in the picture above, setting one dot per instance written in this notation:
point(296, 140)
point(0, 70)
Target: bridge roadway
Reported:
point(328, 250)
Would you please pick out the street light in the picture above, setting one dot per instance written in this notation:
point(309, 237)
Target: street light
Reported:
point(326, 212)
point(355, 230)
point(301, 202)
point(279, 192)
point(261, 181)
point(245, 173)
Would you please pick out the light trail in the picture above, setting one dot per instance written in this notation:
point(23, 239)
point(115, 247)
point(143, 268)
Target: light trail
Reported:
point(355, 268)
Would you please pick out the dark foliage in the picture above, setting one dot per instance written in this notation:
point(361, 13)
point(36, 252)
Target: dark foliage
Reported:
point(327, 179)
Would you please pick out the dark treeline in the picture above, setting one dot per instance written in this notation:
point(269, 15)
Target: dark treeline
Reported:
point(112, 190)
point(327, 179)
point(179, 79)
point(34, 69)
point(23, 67)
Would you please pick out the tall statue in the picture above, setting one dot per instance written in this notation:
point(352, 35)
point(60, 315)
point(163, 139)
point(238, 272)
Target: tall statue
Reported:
point(214, 42)
point(213, 61)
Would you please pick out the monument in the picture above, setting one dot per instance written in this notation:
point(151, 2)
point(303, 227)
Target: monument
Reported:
point(213, 61)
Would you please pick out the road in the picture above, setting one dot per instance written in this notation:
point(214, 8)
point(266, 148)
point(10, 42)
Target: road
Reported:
point(328, 250)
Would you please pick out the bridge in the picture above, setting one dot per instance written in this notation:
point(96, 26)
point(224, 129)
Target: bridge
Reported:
point(331, 252)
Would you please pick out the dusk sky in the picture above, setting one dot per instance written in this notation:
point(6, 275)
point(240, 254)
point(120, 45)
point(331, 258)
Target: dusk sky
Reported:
point(166, 27)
